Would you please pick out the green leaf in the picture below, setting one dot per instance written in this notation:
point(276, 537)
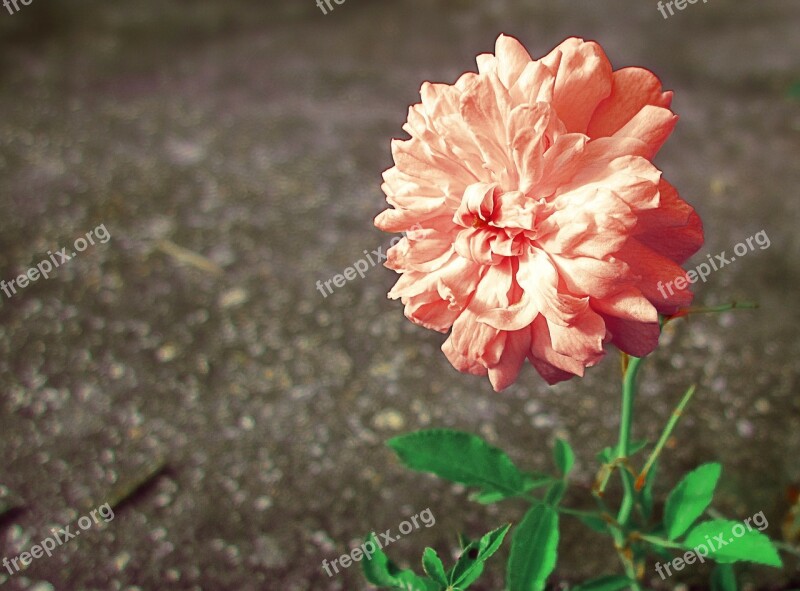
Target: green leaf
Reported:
point(460, 457)
point(564, 456)
point(723, 578)
point(488, 497)
point(594, 522)
point(433, 566)
point(382, 572)
point(415, 583)
point(609, 583)
point(533, 550)
point(378, 569)
point(719, 538)
point(610, 453)
point(665, 554)
point(555, 493)
point(470, 564)
point(534, 480)
point(531, 481)
point(690, 498)
point(471, 572)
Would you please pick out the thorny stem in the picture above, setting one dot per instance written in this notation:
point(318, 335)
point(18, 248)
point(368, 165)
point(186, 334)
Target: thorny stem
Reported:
point(709, 310)
point(673, 420)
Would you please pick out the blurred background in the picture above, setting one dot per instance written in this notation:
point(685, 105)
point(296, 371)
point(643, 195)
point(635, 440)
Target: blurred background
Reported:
point(189, 373)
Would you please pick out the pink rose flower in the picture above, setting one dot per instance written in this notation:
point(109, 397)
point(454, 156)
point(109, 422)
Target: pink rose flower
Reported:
point(538, 227)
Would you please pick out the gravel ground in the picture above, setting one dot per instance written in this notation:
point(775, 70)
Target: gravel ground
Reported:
point(188, 372)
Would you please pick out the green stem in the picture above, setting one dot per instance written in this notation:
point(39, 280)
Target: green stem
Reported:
point(673, 420)
point(623, 447)
point(708, 310)
point(660, 542)
point(620, 542)
point(626, 420)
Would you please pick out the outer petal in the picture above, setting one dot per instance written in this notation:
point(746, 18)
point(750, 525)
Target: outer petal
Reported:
point(462, 362)
point(673, 229)
point(553, 366)
point(455, 281)
point(652, 125)
point(426, 254)
point(631, 90)
point(428, 309)
point(582, 339)
point(511, 59)
point(657, 277)
point(551, 374)
point(634, 338)
point(587, 275)
point(631, 320)
point(583, 80)
point(505, 373)
point(535, 84)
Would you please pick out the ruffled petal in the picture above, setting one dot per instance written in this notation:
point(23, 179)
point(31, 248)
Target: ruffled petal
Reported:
point(583, 80)
point(631, 320)
point(511, 59)
point(673, 229)
point(505, 372)
point(632, 89)
point(652, 125)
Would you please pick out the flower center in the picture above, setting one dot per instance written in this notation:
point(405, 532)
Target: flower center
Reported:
point(496, 223)
point(479, 223)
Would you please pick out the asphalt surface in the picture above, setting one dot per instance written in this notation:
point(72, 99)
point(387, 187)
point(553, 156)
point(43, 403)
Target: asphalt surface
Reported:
point(188, 372)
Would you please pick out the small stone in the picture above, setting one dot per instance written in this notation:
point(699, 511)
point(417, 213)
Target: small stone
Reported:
point(173, 575)
point(745, 428)
point(389, 419)
point(167, 353)
point(121, 560)
point(163, 500)
point(263, 503)
point(543, 421)
point(233, 297)
point(116, 371)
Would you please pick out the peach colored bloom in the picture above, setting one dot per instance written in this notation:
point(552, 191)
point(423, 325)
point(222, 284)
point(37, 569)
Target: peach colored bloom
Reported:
point(543, 226)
